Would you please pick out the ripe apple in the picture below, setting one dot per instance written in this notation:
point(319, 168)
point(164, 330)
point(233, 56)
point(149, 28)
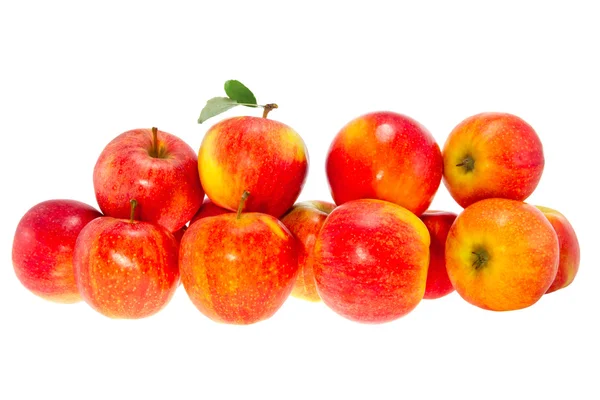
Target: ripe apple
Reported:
point(42, 251)
point(386, 156)
point(157, 169)
point(126, 268)
point(501, 254)
point(304, 221)
point(265, 157)
point(438, 224)
point(370, 260)
point(208, 209)
point(238, 268)
point(492, 155)
point(568, 264)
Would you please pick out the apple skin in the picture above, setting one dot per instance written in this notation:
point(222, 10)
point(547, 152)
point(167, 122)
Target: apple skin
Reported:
point(568, 264)
point(386, 156)
point(304, 221)
point(438, 224)
point(265, 157)
point(238, 271)
point(501, 254)
point(42, 252)
point(208, 209)
point(126, 269)
point(370, 261)
point(167, 189)
point(507, 154)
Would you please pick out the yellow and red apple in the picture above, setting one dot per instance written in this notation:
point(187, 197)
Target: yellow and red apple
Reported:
point(438, 224)
point(502, 254)
point(370, 260)
point(304, 221)
point(42, 252)
point(265, 157)
point(568, 264)
point(386, 156)
point(492, 155)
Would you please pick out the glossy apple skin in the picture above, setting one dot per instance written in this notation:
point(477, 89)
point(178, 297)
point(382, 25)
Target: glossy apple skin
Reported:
point(238, 271)
point(370, 261)
point(568, 243)
point(208, 209)
point(386, 156)
point(438, 224)
point(507, 153)
point(265, 157)
point(42, 252)
point(124, 269)
point(167, 189)
point(304, 221)
point(522, 250)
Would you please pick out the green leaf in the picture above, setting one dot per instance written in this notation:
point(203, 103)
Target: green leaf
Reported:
point(216, 106)
point(240, 93)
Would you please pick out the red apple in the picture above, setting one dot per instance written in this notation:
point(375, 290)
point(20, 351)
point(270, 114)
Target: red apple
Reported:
point(386, 156)
point(154, 167)
point(126, 268)
point(438, 224)
point(492, 155)
point(238, 268)
point(42, 251)
point(208, 209)
point(304, 221)
point(370, 260)
point(568, 263)
point(265, 157)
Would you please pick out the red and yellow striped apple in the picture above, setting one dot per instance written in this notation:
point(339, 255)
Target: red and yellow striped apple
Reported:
point(43, 244)
point(238, 268)
point(568, 264)
point(438, 224)
point(501, 254)
point(370, 260)
point(208, 209)
point(126, 268)
point(265, 157)
point(492, 155)
point(386, 156)
point(304, 221)
point(157, 169)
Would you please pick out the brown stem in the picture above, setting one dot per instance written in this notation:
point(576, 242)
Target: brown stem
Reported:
point(268, 108)
point(468, 163)
point(133, 203)
point(242, 202)
point(154, 142)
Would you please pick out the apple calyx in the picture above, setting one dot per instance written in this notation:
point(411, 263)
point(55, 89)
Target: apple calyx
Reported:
point(133, 203)
point(481, 258)
point(242, 202)
point(468, 163)
point(268, 108)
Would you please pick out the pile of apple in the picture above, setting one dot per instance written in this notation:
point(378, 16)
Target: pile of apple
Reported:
point(240, 253)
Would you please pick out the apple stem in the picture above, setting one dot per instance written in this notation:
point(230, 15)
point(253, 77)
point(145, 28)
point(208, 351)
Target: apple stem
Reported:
point(242, 202)
point(133, 203)
point(154, 142)
point(468, 163)
point(268, 108)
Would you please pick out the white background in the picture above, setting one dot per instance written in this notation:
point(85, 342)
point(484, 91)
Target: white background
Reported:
point(73, 76)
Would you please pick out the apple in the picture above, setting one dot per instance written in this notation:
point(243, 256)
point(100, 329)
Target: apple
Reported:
point(42, 252)
point(438, 224)
point(126, 268)
point(238, 268)
point(568, 264)
point(304, 221)
point(265, 157)
point(157, 169)
point(208, 209)
point(501, 254)
point(386, 156)
point(492, 155)
point(370, 260)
